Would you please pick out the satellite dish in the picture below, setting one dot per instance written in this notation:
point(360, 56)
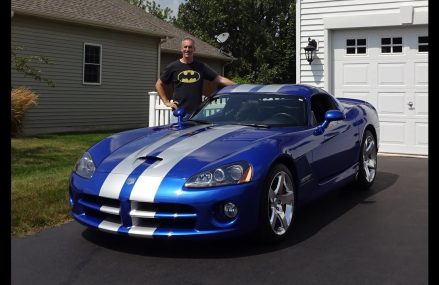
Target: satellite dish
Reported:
point(221, 38)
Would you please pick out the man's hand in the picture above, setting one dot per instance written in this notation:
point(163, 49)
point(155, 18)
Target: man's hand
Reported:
point(172, 104)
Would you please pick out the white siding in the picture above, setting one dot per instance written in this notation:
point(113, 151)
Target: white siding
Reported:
point(310, 15)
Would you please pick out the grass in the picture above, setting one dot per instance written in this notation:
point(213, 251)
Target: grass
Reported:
point(40, 170)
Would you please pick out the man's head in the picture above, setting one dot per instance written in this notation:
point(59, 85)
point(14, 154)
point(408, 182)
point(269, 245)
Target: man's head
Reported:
point(187, 49)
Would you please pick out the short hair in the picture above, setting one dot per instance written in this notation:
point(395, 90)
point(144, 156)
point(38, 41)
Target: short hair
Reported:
point(188, 39)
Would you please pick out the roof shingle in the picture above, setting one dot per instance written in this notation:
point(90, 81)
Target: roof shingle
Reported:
point(113, 14)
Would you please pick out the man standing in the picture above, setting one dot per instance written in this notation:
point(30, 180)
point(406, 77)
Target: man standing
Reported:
point(186, 76)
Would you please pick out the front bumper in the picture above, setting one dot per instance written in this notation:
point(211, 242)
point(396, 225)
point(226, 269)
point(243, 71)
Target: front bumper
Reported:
point(176, 212)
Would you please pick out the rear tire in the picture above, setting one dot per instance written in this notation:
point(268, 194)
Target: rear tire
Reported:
point(368, 161)
point(277, 205)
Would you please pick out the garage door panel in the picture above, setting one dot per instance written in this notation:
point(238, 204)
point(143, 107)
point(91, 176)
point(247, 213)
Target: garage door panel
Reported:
point(357, 95)
point(391, 74)
point(392, 132)
point(391, 103)
point(421, 74)
point(421, 130)
point(421, 103)
point(356, 74)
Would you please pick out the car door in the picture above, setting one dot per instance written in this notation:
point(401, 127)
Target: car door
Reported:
point(335, 149)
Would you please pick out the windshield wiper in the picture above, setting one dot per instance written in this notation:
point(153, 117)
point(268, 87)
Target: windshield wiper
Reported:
point(254, 125)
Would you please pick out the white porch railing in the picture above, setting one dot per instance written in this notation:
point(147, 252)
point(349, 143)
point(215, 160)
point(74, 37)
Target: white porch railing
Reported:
point(159, 114)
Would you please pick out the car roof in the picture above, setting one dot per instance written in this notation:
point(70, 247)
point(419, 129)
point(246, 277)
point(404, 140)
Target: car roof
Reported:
point(291, 89)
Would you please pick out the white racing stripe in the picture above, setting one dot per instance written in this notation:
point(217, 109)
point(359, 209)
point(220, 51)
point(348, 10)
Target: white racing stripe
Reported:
point(141, 231)
point(244, 88)
point(148, 183)
point(271, 88)
point(109, 226)
point(115, 180)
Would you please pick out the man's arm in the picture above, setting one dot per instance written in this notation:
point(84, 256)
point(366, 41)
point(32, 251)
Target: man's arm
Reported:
point(223, 80)
point(160, 87)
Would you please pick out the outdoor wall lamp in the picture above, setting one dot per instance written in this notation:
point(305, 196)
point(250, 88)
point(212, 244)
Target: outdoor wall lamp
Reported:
point(310, 50)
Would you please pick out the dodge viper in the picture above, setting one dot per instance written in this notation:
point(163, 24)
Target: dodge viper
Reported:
point(241, 164)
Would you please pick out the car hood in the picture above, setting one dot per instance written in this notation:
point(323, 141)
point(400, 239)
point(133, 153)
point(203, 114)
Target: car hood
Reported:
point(180, 153)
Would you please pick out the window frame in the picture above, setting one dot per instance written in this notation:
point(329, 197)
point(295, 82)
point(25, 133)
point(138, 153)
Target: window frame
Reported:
point(423, 44)
point(391, 45)
point(356, 46)
point(84, 64)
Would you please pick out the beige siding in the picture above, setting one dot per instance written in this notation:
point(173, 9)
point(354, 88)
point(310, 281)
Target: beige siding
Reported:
point(129, 71)
point(309, 18)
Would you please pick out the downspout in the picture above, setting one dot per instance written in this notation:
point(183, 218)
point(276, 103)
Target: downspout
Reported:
point(162, 40)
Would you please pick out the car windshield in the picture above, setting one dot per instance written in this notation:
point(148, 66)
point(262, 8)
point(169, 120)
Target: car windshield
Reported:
point(257, 109)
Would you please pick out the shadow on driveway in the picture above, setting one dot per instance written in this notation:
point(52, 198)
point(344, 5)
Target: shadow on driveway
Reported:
point(309, 220)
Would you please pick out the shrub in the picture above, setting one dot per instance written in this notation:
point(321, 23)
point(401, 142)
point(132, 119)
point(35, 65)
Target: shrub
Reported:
point(22, 99)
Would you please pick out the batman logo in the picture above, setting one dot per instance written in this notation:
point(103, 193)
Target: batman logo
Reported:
point(188, 76)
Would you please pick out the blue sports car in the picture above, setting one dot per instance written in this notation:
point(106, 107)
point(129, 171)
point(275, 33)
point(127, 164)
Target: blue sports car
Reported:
point(241, 164)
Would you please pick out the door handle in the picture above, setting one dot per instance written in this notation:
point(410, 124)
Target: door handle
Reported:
point(410, 104)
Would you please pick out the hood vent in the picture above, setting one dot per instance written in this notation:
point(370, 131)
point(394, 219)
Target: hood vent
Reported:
point(150, 159)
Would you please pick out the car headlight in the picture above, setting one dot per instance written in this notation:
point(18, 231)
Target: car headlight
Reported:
point(229, 174)
point(85, 167)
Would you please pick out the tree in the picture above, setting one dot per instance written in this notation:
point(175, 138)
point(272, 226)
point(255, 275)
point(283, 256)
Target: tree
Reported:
point(24, 65)
point(155, 9)
point(262, 35)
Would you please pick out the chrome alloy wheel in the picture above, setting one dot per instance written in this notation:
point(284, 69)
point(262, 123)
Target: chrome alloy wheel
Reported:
point(281, 203)
point(369, 158)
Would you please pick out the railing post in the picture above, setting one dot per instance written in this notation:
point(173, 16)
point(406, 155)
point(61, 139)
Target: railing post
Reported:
point(159, 114)
point(152, 101)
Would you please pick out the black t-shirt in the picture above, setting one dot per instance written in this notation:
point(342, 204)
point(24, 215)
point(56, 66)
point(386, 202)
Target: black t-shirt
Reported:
point(187, 80)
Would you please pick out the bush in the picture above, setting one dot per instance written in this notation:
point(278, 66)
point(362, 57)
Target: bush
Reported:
point(22, 99)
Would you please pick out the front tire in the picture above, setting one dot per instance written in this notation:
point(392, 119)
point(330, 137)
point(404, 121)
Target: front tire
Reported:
point(368, 161)
point(277, 205)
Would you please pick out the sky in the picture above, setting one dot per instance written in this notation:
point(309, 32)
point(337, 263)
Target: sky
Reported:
point(172, 4)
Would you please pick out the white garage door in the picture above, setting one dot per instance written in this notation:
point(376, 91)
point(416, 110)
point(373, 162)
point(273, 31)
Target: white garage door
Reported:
point(389, 68)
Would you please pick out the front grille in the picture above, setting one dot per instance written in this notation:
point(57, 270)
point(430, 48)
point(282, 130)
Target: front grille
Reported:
point(163, 215)
point(141, 214)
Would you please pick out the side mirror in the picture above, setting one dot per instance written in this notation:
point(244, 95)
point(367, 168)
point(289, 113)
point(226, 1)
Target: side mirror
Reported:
point(179, 113)
point(331, 115)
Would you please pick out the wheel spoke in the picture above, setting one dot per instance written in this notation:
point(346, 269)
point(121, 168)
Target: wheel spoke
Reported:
point(280, 183)
point(371, 164)
point(283, 220)
point(366, 169)
point(273, 218)
point(271, 195)
point(370, 147)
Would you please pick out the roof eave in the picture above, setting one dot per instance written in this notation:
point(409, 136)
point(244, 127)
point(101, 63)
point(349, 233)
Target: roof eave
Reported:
point(88, 23)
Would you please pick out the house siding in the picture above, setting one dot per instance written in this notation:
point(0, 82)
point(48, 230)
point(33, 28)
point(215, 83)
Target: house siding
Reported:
point(310, 16)
point(129, 71)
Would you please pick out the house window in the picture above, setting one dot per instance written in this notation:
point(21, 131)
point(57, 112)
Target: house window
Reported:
point(423, 44)
point(92, 63)
point(391, 45)
point(356, 46)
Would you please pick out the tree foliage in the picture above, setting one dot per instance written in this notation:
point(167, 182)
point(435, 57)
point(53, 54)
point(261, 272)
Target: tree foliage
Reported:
point(24, 64)
point(155, 9)
point(262, 35)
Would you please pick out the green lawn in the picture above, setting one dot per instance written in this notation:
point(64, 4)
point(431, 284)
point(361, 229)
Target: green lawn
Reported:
point(40, 170)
